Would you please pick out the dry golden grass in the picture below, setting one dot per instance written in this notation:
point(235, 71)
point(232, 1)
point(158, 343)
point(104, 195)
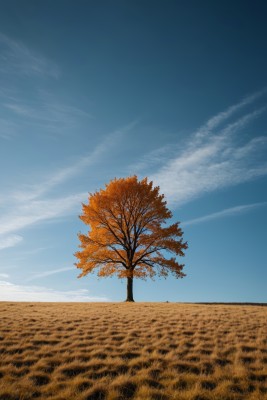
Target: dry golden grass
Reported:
point(132, 351)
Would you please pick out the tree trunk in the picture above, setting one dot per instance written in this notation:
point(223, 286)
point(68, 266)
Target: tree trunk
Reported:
point(129, 289)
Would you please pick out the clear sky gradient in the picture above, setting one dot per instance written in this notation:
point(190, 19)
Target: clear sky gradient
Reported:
point(172, 90)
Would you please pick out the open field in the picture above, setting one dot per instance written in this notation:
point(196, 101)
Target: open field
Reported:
point(132, 351)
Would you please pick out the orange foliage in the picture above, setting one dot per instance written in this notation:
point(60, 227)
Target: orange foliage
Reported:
point(127, 235)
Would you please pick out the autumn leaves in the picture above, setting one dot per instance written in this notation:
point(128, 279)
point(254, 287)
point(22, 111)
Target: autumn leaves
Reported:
point(127, 235)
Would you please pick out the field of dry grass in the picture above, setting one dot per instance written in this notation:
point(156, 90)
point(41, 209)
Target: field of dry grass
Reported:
point(132, 351)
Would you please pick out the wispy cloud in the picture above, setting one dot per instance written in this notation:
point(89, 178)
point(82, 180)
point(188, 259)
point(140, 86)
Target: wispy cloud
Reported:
point(213, 159)
point(49, 273)
point(152, 159)
point(4, 276)
point(221, 117)
point(64, 174)
point(237, 210)
point(16, 58)
point(44, 112)
point(44, 108)
point(26, 208)
point(9, 241)
point(30, 213)
point(13, 292)
point(37, 109)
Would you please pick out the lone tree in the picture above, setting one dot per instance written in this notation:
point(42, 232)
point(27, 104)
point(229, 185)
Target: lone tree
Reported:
point(127, 236)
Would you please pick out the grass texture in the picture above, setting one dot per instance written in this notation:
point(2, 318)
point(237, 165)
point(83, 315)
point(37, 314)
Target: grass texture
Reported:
point(141, 351)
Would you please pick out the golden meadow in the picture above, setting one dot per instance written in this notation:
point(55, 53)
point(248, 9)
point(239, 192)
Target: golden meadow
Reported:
point(157, 351)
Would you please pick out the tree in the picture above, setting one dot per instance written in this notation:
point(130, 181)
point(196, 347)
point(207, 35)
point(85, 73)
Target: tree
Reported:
point(127, 236)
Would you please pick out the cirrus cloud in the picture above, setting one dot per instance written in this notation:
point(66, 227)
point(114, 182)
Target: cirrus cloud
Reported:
point(214, 157)
point(13, 292)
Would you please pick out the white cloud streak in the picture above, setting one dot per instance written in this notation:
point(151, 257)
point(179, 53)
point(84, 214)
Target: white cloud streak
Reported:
point(152, 159)
point(221, 117)
point(44, 110)
point(25, 206)
point(16, 58)
point(44, 113)
point(68, 172)
point(212, 160)
point(9, 241)
point(5, 276)
point(30, 213)
point(237, 210)
point(49, 273)
point(13, 292)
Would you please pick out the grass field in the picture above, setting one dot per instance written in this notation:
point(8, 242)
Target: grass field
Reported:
point(132, 351)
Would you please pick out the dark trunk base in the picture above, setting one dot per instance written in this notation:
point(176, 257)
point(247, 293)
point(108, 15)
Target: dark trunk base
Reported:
point(129, 289)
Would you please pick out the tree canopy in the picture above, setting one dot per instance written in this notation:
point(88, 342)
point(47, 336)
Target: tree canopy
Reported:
point(128, 236)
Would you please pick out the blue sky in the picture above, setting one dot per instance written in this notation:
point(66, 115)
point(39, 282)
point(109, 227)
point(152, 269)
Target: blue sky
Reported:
point(176, 91)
